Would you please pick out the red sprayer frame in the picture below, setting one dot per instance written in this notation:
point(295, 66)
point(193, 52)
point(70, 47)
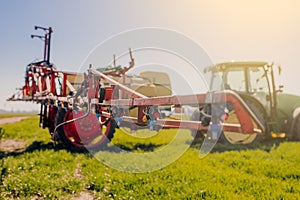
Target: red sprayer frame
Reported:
point(76, 108)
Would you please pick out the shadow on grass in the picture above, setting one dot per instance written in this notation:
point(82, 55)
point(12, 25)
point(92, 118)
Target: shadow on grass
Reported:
point(146, 147)
point(42, 146)
point(39, 146)
point(264, 146)
point(139, 146)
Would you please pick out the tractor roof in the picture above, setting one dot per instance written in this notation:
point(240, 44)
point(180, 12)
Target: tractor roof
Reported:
point(224, 65)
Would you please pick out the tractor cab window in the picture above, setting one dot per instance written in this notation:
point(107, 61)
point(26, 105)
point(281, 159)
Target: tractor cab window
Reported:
point(258, 85)
point(234, 79)
point(216, 81)
point(257, 80)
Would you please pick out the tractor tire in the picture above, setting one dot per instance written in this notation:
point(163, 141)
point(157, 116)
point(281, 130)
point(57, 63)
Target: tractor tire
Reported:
point(296, 130)
point(63, 139)
point(239, 138)
point(59, 133)
point(198, 135)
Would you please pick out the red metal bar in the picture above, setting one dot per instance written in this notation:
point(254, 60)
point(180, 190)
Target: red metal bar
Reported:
point(196, 125)
point(118, 85)
point(64, 91)
point(52, 84)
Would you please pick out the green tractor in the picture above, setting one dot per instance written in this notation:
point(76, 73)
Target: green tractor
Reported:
point(254, 82)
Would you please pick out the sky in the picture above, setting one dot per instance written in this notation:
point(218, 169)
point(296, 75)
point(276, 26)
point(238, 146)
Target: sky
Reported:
point(228, 30)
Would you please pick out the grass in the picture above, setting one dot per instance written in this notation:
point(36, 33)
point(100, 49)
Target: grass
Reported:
point(265, 171)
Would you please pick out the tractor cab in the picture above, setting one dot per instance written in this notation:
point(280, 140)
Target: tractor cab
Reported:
point(253, 81)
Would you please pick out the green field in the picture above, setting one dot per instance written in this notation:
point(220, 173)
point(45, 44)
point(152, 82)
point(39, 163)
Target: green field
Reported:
point(42, 171)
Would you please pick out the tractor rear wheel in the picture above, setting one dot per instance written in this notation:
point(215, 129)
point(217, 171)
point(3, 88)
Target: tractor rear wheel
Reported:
point(85, 133)
point(241, 138)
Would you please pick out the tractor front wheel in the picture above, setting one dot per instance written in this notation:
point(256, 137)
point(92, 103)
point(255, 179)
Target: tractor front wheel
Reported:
point(296, 130)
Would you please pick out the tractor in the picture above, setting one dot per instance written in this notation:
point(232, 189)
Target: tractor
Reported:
point(255, 82)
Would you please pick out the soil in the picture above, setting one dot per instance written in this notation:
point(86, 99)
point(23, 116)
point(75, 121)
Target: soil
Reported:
point(11, 120)
point(11, 145)
point(84, 196)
